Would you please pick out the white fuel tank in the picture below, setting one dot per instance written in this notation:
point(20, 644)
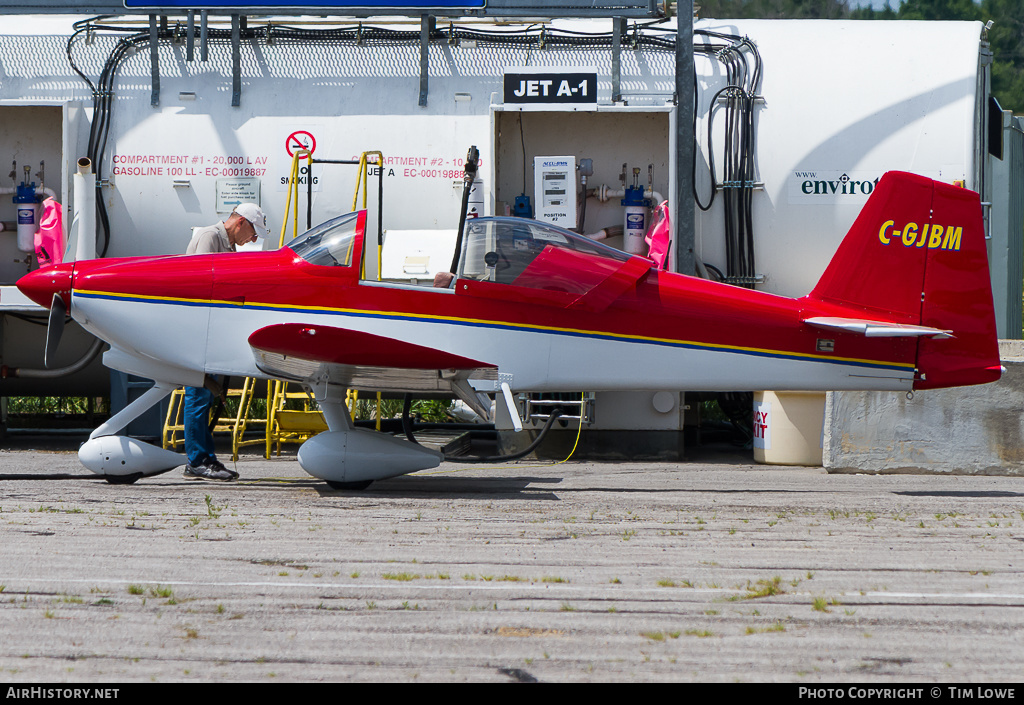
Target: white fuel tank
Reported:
point(841, 103)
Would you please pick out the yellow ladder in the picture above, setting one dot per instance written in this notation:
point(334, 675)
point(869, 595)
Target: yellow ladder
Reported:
point(174, 426)
point(242, 418)
point(173, 423)
point(290, 425)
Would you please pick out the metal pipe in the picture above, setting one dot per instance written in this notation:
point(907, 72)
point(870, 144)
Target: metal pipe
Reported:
point(204, 35)
point(85, 210)
point(154, 60)
point(77, 366)
point(190, 37)
point(618, 29)
point(236, 62)
point(426, 27)
point(682, 220)
point(40, 191)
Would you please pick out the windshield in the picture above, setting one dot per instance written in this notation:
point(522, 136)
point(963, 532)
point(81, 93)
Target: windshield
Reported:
point(330, 243)
point(501, 249)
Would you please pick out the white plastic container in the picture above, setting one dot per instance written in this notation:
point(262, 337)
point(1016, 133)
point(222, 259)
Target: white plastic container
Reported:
point(788, 427)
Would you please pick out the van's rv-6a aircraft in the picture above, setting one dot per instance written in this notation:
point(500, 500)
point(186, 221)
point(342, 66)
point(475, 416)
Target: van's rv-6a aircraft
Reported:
point(905, 304)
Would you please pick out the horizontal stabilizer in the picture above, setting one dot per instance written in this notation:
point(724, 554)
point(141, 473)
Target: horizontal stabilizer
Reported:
point(877, 329)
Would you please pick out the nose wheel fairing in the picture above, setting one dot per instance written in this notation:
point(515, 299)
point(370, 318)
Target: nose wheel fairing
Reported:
point(122, 457)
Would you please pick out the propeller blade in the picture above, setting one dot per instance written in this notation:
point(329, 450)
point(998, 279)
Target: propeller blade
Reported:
point(54, 328)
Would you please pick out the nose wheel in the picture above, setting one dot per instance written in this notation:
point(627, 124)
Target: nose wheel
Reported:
point(123, 479)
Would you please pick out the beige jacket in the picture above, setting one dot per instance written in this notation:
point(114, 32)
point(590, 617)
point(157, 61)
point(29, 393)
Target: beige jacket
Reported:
point(212, 238)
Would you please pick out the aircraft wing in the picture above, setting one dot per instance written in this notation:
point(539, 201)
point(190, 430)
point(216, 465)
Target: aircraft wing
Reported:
point(358, 360)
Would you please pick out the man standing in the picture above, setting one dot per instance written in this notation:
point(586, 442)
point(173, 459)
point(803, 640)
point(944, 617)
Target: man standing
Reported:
point(244, 225)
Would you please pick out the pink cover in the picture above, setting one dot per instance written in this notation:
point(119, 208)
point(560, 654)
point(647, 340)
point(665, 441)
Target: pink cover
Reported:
point(49, 238)
point(658, 236)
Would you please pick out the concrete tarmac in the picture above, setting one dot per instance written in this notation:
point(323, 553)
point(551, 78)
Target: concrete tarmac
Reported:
point(710, 570)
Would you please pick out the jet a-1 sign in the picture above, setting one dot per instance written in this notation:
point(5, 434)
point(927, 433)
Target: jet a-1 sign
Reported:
point(905, 304)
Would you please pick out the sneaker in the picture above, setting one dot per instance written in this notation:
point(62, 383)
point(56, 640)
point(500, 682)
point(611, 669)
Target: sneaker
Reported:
point(206, 471)
point(217, 465)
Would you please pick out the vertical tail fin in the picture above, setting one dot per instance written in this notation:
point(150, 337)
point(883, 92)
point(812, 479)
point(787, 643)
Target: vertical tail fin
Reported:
point(916, 255)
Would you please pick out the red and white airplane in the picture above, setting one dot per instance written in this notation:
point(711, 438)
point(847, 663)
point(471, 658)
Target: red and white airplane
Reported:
point(905, 304)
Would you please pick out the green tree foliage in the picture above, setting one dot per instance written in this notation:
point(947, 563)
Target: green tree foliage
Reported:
point(1007, 39)
point(774, 9)
point(1006, 36)
point(939, 10)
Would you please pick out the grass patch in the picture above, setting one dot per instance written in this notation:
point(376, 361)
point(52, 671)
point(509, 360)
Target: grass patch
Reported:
point(401, 577)
point(762, 588)
point(777, 627)
point(701, 633)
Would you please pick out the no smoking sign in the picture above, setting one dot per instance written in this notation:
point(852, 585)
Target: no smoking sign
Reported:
point(298, 140)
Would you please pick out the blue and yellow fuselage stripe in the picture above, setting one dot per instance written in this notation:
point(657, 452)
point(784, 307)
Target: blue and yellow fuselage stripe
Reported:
point(496, 325)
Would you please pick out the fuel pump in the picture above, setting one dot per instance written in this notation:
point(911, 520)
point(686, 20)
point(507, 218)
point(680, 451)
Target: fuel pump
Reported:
point(636, 216)
point(27, 200)
point(27, 204)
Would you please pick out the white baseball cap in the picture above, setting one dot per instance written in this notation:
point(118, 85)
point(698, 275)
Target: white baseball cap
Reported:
point(254, 214)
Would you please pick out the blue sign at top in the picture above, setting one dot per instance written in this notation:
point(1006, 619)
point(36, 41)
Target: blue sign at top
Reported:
point(380, 4)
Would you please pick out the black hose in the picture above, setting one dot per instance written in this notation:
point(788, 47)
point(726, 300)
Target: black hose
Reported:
point(472, 158)
point(555, 413)
point(711, 154)
point(580, 225)
point(407, 420)
point(738, 162)
point(362, 35)
point(218, 407)
point(407, 428)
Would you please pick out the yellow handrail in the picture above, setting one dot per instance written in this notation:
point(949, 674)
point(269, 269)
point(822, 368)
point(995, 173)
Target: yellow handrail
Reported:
point(363, 179)
point(293, 187)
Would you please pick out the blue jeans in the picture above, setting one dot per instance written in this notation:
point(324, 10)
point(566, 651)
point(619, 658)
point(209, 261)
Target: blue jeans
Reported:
point(198, 439)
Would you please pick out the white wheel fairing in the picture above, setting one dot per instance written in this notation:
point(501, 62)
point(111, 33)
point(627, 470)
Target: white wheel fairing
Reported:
point(360, 454)
point(121, 455)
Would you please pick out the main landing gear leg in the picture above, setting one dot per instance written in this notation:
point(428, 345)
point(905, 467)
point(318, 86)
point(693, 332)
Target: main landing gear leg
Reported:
point(332, 403)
